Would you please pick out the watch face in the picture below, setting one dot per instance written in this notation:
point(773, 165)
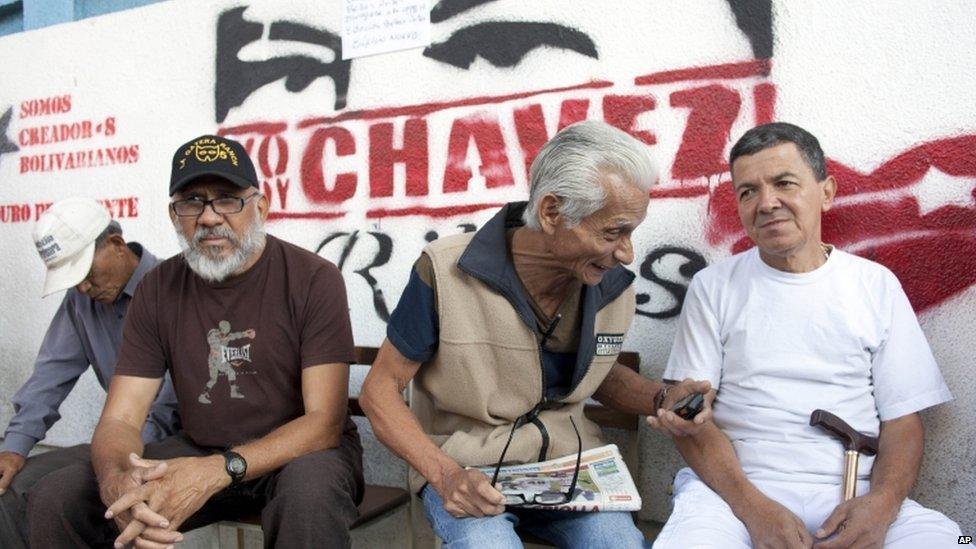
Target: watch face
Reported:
point(236, 465)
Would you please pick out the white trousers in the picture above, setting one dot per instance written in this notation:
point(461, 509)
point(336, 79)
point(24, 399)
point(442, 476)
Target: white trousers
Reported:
point(702, 519)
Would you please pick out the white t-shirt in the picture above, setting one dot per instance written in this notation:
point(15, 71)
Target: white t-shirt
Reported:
point(778, 346)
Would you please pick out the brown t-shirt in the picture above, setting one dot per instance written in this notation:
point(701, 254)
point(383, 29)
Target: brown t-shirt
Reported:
point(236, 349)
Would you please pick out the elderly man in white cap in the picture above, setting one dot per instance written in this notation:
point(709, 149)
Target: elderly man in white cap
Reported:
point(85, 253)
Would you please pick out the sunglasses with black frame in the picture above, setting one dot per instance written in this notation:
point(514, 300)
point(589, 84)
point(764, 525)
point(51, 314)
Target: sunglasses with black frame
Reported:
point(544, 498)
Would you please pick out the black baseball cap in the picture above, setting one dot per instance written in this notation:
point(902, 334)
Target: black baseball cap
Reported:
point(212, 155)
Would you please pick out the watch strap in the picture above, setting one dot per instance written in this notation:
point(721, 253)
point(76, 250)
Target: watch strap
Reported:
point(231, 459)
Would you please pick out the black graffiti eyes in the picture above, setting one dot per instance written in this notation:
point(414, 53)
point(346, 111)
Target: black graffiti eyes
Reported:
point(237, 79)
point(501, 43)
point(446, 9)
point(506, 43)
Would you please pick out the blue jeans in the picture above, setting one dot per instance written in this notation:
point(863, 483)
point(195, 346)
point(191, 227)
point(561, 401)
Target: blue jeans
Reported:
point(561, 528)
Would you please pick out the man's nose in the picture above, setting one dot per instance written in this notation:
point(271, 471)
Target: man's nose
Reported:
point(768, 199)
point(84, 286)
point(209, 216)
point(624, 253)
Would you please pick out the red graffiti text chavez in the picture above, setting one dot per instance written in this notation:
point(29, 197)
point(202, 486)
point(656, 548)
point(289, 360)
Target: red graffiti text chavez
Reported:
point(451, 158)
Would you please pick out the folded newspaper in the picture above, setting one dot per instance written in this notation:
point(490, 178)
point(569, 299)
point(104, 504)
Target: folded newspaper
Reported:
point(604, 483)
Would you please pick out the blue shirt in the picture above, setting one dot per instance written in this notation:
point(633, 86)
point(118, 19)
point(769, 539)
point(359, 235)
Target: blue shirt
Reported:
point(83, 332)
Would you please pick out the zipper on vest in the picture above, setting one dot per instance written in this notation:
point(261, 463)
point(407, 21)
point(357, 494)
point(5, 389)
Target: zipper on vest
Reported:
point(532, 416)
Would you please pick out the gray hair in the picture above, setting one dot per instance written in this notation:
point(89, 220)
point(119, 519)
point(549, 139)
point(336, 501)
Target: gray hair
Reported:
point(770, 135)
point(113, 228)
point(571, 163)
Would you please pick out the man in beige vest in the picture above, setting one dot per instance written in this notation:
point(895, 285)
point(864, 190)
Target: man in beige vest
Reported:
point(506, 332)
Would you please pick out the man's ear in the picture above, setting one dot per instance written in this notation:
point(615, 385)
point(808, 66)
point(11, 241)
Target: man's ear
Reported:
point(549, 216)
point(829, 190)
point(263, 207)
point(117, 243)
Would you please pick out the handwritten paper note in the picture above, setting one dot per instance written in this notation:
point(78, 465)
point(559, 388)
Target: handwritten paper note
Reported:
point(379, 26)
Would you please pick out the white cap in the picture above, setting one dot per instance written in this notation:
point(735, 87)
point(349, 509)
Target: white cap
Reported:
point(65, 239)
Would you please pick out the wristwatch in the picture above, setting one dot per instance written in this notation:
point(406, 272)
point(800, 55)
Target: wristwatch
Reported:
point(235, 466)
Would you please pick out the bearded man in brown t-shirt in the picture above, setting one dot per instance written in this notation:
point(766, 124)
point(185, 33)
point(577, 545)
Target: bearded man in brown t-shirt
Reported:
point(255, 333)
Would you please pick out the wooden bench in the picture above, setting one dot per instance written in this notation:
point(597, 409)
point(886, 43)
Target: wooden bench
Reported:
point(377, 500)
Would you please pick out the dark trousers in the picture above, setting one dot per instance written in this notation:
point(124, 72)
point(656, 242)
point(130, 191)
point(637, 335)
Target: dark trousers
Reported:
point(310, 502)
point(13, 503)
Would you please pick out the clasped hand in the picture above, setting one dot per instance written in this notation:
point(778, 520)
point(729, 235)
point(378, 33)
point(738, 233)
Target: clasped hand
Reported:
point(669, 423)
point(153, 498)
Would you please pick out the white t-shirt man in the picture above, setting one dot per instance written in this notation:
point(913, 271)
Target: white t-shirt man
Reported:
point(777, 346)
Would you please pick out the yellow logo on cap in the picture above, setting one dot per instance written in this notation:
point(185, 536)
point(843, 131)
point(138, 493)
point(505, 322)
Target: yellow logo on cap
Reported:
point(209, 150)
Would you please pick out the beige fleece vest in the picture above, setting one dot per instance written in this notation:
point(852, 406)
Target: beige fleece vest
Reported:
point(487, 372)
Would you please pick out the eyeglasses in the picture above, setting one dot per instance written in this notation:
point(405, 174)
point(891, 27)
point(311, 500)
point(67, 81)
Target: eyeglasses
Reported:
point(192, 207)
point(543, 498)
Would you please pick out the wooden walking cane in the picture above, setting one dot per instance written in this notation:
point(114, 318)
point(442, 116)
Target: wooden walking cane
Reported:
point(855, 443)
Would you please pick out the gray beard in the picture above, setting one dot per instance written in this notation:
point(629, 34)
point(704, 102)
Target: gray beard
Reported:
point(204, 261)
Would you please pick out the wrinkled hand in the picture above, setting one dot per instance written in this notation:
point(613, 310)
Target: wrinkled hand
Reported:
point(469, 493)
point(10, 464)
point(186, 485)
point(771, 525)
point(669, 423)
point(140, 519)
point(861, 522)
